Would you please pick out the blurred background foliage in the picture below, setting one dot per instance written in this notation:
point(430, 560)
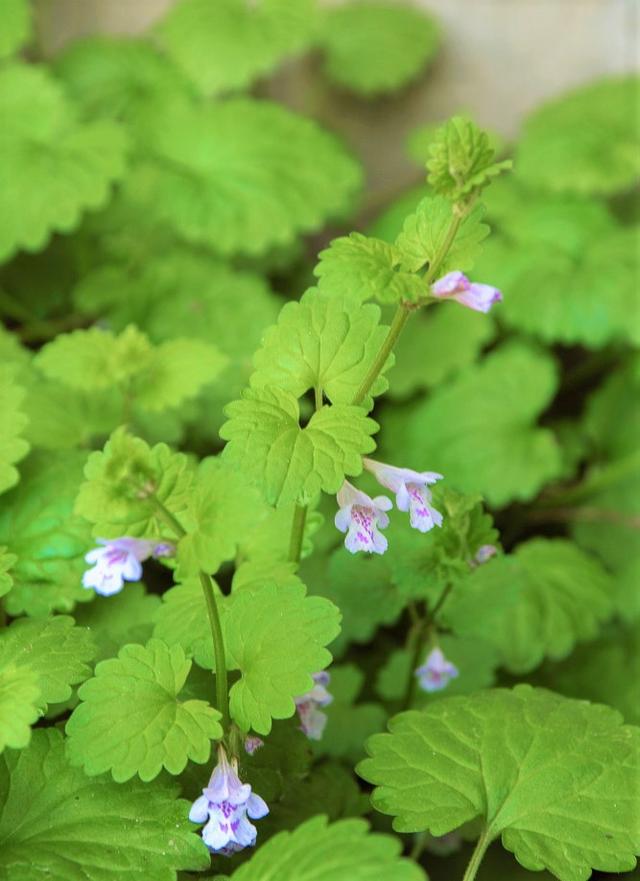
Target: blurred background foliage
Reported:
point(151, 180)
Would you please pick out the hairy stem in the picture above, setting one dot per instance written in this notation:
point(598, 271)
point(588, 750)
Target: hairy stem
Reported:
point(222, 687)
point(297, 533)
point(477, 856)
point(399, 320)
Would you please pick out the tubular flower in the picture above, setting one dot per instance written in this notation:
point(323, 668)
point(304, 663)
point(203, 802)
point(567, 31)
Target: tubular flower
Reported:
point(411, 492)
point(120, 560)
point(312, 719)
point(456, 286)
point(360, 516)
point(224, 807)
point(436, 672)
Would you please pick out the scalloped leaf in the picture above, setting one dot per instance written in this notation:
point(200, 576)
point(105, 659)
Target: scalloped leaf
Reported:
point(554, 777)
point(373, 48)
point(461, 159)
point(227, 44)
point(240, 175)
point(53, 167)
point(13, 423)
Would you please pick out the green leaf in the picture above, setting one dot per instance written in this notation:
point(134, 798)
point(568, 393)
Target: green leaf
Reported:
point(53, 168)
point(19, 704)
point(222, 510)
point(37, 523)
point(322, 851)
point(537, 602)
point(583, 142)
point(461, 159)
point(61, 418)
point(619, 393)
point(130, 720)
point(435, 345)
point(53, 649)
point(56, 823)
point(7, 560)
point(179, 369)
point(269, 540)
point(348, 723)
point(425, 232)
point(13, 421)
point(182, 620)
point(124, 480)
point(291, 463)
point(325, 342)
point(117, 620)
point(16, 26)
point(478, 429)
point(388, 225)
point(373, 48)
point(363, 268)
point(276, 638)
point(228, 44)
point(554, 777)
point(214, 175)
point(120, 78)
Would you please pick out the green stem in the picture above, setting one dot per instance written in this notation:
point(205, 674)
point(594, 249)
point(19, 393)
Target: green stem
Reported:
point(297, 533)
point(399, 320)
point(317, 391)
point(421, 636)
point(452, 232)
point(477, 856)
point(222, 686)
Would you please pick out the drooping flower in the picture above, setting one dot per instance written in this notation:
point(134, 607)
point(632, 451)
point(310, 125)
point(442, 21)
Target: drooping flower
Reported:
point(456, 286)
point(360, 517)
point(120, 560)
point(224, 806)
point(436, 672)
point(252, 743)
point(312, 719)
point(411, 492)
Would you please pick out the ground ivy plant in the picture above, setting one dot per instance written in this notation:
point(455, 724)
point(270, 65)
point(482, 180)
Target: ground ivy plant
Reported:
point(316, 563)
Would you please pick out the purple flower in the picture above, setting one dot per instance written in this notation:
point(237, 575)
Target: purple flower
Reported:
point(360, 516)
point(313, 720)
point(252, 744)
point(118, 561)
point(436, 672)
point(224, 807)
point(484, 553)
point(411, 493)
point(456, 286)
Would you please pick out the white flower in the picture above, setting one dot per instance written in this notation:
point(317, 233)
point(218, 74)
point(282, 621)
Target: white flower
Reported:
point(224, 807)
point(360, 516)
point(312, 719)
point(120, 560)
point(411, 493)
point(436, 672)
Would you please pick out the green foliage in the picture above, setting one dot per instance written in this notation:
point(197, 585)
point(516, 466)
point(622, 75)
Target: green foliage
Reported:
point(182, 620)
point(365, 268)
point(120, 619)
point(329, 852)
point(124, 482)
point(199, 159)
point(479, 429)
point(288, 462)
point(425, 232)
point(584, 142)
point(373, 48)
point(348, 723)
point(553, 776)
point(130, 720)
point(19, 704)
point(13, 447)
point(38, 525)
point(53, 167)
point(55, 822)
point(324, 342)
point(276, 638)
point(461, 160)
point(6, 562)
point(535, 603)
point(16, 26)
point(228, 44)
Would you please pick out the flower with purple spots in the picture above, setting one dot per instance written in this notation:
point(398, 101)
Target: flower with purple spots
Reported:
point(120, 560)
point(224, 807)
point(436, 672)
point(360, 516)
point(312, 719)
point(456, 286)
point(411, 492)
